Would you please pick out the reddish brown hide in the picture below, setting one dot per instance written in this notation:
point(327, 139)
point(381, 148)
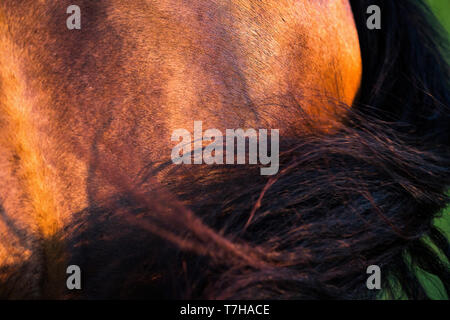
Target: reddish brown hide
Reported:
point(114, 91)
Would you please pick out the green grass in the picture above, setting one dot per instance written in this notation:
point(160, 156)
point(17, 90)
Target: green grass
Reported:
point(442, 11)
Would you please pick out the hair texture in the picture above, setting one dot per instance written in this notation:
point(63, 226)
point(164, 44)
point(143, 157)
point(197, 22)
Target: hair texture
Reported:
point(406, 82)
point(364, 195)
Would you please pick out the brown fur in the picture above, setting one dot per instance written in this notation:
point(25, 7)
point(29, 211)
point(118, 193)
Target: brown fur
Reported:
point(136, 71)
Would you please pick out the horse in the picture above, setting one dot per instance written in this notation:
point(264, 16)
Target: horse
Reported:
point(87, 116)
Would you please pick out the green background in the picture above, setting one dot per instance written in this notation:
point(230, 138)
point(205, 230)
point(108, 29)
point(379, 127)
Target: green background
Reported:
point(442, 10)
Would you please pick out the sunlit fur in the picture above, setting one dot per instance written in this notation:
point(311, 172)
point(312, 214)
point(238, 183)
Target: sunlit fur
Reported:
point(86, 118)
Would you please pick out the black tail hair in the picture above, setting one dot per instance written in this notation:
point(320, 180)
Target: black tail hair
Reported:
point(406, 81)
point(405, 71)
